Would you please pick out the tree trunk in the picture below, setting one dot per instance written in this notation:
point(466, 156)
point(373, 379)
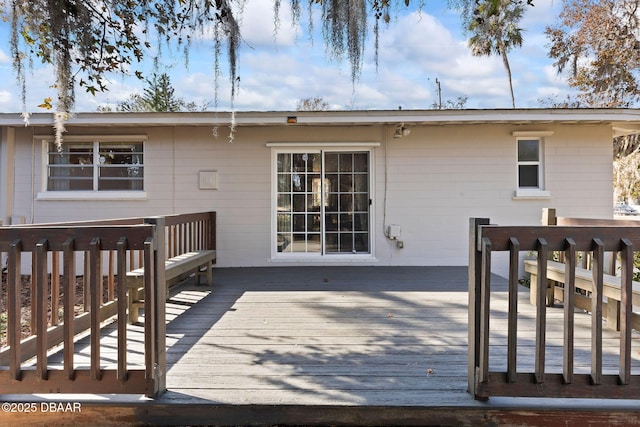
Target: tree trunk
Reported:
point(505, 61)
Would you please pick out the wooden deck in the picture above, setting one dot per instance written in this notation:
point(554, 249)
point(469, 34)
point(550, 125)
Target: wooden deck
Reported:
point(323, 337)
point(338, 346)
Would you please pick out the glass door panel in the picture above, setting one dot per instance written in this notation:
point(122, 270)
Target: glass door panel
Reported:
point(347, 213)
point(323, 202)
point(299, 197)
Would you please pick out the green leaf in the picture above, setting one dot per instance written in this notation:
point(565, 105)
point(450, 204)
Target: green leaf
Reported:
point(46, 104)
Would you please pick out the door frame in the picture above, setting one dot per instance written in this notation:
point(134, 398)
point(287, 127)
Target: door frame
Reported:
point(287, 147)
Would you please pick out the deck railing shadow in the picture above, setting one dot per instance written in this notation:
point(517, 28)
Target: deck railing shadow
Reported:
point(406, 360)
point(485, 239)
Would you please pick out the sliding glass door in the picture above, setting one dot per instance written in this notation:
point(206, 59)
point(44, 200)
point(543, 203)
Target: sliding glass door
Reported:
point(323, 202)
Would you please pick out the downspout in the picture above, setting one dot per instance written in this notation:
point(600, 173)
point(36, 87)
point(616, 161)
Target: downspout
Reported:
point(386, 180)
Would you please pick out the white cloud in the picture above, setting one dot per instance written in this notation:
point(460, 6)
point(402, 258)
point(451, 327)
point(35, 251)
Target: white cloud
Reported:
point(39, 86)
point(119, 90)
point(272, 79)
point(258, 20)
point(543, 13)
point(4, 58)
point(551, 76)
point(422, 49)
point(6, 101)
point(417, 37)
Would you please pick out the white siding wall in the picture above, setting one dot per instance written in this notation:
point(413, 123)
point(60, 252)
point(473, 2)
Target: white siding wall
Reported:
point(438, 177)
point(25, 162)
point(7, 146)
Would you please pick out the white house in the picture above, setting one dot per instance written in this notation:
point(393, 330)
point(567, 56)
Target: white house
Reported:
point(321, 188)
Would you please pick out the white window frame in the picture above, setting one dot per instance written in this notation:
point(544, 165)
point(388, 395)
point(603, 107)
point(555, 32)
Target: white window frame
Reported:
point(540, 191)
point(286, 147)
point(94, 194)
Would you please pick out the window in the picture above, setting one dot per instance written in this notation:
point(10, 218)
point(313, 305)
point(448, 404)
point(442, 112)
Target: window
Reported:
point(322, 203)
point(95, 166)
point(529, 164)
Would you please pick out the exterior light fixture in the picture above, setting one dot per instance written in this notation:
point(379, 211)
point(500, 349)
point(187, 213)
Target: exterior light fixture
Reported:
point(292, 119)
point(401, 131)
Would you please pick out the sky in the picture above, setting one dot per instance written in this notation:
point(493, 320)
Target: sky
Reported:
point(278, 70)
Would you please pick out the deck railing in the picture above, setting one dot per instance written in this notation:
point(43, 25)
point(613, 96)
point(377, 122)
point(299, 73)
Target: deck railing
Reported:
point(77, 281)
point(486, 239)
point(190, 232)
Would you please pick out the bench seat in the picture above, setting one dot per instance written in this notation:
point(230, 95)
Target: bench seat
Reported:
point(176, 269)
point(584, 281)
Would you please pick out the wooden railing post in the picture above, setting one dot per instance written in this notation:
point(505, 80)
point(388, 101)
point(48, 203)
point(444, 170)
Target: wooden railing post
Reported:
point(155, 300)
point(626, 310)
point(475, 279)
point(69, 289)
point(596, 311)
point(485, 311)
point(41, 297)
point(541, 310)
point(55, 287)
point(212, 232)
point(569, 311)
point(94, 280)
point(13, 308)
point(512, 325)
point(549, 216)
point(121, 255)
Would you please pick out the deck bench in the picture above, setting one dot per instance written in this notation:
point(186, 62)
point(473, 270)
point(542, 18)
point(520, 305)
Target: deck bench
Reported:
point(177, 269)
point(584, 281)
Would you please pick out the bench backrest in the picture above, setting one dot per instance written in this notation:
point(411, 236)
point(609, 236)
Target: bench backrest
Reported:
point(549, 217)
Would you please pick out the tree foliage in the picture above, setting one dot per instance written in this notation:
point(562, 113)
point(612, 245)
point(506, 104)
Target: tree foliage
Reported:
point(84, 40)
point(313, 104)
point(495, 30)
point(569, 101)
point(598, 41)
point(625, 145)
point(157, 96)
point(626, 177)
point(451, 104)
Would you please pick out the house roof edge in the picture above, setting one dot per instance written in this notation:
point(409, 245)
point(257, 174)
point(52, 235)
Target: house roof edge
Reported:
point(332, 117)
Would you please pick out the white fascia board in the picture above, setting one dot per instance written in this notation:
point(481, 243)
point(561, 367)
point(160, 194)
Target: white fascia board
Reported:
point(357, 117)
point(471, 116)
